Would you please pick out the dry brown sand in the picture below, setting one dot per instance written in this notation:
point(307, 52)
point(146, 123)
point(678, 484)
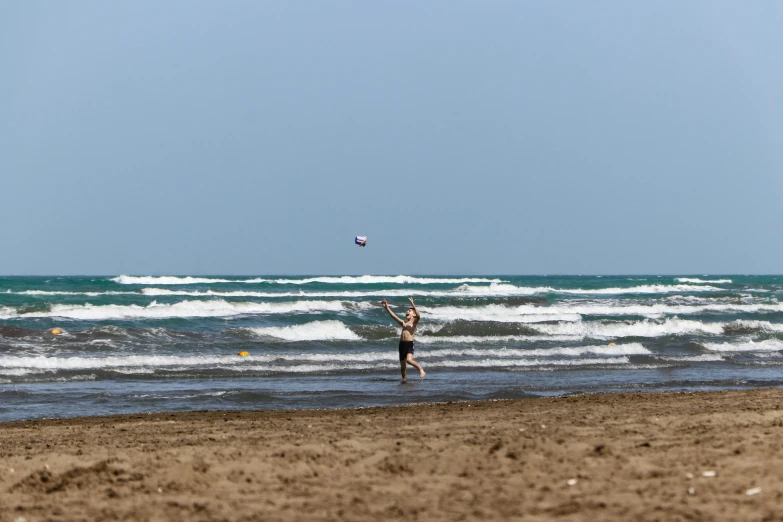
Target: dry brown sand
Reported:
point(630, 456)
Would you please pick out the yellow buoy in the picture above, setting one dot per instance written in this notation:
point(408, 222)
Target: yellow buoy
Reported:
point(611, 344)
point(243, 354)
point(55, 331)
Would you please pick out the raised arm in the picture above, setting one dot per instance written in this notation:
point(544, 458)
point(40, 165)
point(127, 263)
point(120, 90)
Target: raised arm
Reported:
point(415, 310)
point(385, 306)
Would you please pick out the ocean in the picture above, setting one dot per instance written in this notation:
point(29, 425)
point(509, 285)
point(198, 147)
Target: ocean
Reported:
point(134, 344)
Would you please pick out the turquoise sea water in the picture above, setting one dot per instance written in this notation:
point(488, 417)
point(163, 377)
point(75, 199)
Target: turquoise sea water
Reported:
point(150, 343)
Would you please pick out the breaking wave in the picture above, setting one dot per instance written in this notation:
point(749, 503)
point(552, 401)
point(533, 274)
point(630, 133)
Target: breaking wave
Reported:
point(618, 329)
point(365, 279)
point(768, 345)
point(314, 331)
point(216, 308)
point(697, 280)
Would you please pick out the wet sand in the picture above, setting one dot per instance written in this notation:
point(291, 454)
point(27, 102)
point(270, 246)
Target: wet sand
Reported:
point(638, 456)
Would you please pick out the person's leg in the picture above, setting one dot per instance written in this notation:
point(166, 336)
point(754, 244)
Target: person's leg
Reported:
point(416, 365)
point(402, 370)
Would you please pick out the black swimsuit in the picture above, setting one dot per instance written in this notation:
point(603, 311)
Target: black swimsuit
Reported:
point(405, 348)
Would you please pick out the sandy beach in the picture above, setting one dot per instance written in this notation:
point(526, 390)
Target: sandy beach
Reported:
point(638, 456)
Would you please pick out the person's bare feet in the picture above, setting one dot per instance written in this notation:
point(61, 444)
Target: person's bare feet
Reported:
point(404, 380)
point(422, 373)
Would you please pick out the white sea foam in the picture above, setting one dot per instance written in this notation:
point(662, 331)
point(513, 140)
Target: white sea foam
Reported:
point(465, 290)
point(755, 325)
point(646, 328)
point(96, 363)
point(90, 294)
point(157, 292)
point(312, 368)
point(17, 372)
point(103, 342)
point(304, 362)
point(428, 354)
point(492, 290)
point(573, 312)
point(496, 287)
point(365, 279)
point(167, 280)
point(496, 339)
point(768, 345)
point(563, 351)
point(643, 289)
point(705, 357)
point(697, 280)
point(215, 308)
point(512, 290)
point(734, 298)
point(481, 363)
point(506, 363)
point(314, 331)
point(371, 279)
point(499, 289)
point(500, 313)
point(165, 396)
point(25, 345)
point(346, 357)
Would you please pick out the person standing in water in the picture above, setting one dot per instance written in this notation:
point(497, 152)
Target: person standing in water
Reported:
point(409, 325)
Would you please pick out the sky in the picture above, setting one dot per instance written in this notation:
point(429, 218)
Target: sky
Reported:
point(482, 137)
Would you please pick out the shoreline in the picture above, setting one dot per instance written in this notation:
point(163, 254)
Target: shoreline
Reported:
point(167, 413)
point(610, 456)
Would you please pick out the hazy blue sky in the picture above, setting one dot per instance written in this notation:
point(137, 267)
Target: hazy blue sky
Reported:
point(515, 137)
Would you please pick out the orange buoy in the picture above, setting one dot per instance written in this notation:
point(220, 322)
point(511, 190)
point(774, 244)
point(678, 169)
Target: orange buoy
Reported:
point(55, 331)
point(243, 354)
